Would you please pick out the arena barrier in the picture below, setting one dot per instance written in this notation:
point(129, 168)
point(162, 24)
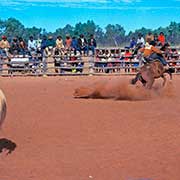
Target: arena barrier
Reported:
point(109, 61)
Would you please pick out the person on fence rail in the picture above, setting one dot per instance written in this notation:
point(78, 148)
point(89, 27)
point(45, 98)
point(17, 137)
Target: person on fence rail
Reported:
point(59, 43)
point(32, 46)
point(68, 42)
point(22, 46)
point(14, 46)
point(91, 44)
point(4, 46)
point(74, 44)
point(82, 45)
point(149, 37)
point(49, 50)
point(161, 39)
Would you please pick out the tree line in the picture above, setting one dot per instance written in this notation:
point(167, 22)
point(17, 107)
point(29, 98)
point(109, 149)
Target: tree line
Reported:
point(112, 35)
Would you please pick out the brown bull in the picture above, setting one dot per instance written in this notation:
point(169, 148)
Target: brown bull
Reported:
point(149, 72)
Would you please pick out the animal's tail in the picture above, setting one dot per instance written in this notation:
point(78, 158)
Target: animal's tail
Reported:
point(170, 71)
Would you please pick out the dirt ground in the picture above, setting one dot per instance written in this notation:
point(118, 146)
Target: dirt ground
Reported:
point(59, 137)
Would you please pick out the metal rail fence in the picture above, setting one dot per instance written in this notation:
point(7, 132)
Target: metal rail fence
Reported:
point(100, 64)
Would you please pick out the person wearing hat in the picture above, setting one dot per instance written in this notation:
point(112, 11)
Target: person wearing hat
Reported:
point(49, 50)
point(4, 43)
point(150, 52)
point(4, 46)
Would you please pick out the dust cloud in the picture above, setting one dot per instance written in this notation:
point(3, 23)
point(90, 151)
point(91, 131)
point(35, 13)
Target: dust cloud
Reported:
point(119, 89)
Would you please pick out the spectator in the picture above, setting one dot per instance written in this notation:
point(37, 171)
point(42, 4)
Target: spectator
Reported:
point(49, 50)
point(38, 42)
point(127, 58)
point(161, 38)
point(156, 38)
point(74, 45)
point(132, 43)
point(4, 46)
point(91, 44)
point(140, 41)
point(68, 42)
point(82, 45)
point(22, 46)
point(14, 47)
point(50, 42)
point(44, 43)
point(32, 46)
point(59, 43)
point(149, 37)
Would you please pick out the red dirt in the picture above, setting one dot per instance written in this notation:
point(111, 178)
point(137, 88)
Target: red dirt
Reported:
point(59, 137)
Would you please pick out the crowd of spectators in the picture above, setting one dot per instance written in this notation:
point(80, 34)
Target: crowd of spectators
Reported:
point(158, 39)
point(50, 46)
point(150, 46)
point(17, 45)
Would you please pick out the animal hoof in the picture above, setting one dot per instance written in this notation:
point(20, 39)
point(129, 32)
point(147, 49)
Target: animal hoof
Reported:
point(133, 81)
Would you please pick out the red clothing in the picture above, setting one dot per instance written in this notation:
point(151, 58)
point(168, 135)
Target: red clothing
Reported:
point(161, 38)
point(68, 43)
point(127, 55)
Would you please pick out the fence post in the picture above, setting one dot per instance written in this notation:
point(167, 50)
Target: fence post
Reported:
point(91, 65)
point(44, 65)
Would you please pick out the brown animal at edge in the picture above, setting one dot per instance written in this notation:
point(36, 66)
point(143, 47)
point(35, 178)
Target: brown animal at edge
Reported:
point(3, 108)
point(151, 71)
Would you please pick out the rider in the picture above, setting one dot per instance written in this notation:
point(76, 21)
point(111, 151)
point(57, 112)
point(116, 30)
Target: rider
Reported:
point(150, 52)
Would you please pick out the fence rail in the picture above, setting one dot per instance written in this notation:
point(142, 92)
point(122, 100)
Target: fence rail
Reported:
point(91, 65)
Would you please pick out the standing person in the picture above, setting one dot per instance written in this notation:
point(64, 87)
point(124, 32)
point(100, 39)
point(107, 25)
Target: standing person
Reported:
point(82, 45)
point(91, 44)
point(161, 38)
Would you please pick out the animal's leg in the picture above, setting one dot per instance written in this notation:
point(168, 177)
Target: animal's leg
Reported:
point(133, 81)
point(150, 83)
point(142, 81)
point(164, 78)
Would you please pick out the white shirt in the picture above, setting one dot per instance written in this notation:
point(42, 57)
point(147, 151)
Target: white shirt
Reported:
point(31, 44)
point(141, 40)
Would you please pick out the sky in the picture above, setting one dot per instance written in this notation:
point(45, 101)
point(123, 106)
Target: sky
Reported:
point(53, 14)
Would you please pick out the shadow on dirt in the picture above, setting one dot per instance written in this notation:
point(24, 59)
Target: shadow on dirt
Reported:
point(8, 145)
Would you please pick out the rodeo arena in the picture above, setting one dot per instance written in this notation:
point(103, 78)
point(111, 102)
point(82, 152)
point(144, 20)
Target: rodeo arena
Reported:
point(71, 110)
